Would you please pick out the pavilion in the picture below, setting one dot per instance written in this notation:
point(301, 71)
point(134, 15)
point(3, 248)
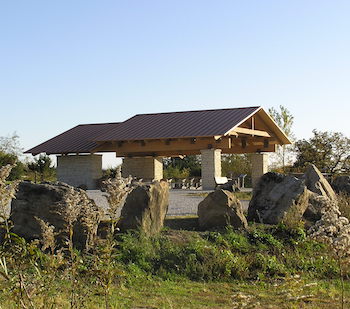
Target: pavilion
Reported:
point(144, 140)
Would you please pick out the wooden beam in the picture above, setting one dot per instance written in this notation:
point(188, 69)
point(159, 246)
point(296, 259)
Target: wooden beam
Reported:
point(251, 132)
point(250, 149)
point(234, 149)
point(178, 146)
point(258, 141)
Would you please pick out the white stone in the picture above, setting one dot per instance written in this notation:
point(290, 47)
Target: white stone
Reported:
point(211, 167)
point(147, 168)
point(259, 166)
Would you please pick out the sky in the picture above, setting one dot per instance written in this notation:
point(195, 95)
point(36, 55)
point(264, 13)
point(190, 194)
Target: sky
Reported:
point(64, 63)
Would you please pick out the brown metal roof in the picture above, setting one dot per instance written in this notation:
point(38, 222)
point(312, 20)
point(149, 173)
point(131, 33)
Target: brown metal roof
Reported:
point(205, 123)
point(78, 139)
point(178, 124)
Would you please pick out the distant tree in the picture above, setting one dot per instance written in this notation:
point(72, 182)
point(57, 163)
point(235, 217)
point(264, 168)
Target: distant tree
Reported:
point(284, 120)
point(176, 167)
point(236, 164)
point(10, 151)
point(18, 170)
point(42, 166)
point(329, 151)
point(176, 173)
point(10, 144)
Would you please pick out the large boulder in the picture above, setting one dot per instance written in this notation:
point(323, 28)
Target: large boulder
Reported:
point(58, 205)
point(278, 198)
point(318, 186)
point(341, 184)
point(219, 209)
point(145, 208)
point(315, 182)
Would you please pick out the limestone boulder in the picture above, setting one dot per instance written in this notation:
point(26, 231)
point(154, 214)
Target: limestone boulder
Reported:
point(277, 198)
point(145, 208)
point(317, 183)
point(56, 204)
point(341, 184)
point(219, 209)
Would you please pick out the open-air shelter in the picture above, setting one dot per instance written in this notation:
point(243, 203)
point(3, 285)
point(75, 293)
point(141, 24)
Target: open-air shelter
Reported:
point(144, 140)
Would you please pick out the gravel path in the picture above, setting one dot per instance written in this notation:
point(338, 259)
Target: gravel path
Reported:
point(181, 202)
point(185, 202)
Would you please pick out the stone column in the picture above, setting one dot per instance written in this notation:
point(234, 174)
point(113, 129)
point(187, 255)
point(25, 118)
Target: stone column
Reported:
point(259, 166)
point(211, 167)
point(80, 170)
point(147, 168)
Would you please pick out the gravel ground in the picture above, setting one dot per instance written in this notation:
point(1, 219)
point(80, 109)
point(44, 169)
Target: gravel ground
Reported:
point(185, 202)
point(181, 202)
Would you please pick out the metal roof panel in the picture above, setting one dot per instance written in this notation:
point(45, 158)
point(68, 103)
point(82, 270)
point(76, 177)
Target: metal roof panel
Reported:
point(78, 139)
point(177, 124)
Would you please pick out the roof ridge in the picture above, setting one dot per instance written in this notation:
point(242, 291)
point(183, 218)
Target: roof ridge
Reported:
point(100, 123)
point(193, 111)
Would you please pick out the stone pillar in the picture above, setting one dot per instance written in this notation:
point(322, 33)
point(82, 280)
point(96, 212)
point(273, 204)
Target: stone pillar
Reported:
point(147, 168)
point(211, 167)
point(259, 166)
point(80, 170)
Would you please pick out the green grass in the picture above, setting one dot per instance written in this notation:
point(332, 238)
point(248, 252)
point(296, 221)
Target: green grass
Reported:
point(291, 293)
point(265, 267)
point(150, 292)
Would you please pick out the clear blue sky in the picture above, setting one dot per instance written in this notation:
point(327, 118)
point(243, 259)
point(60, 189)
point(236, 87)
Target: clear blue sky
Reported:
point(63, 63)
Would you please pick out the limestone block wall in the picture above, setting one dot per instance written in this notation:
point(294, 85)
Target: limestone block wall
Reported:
point(80, 170)
point(259, 166)
point(211, 167)
point(147, 168)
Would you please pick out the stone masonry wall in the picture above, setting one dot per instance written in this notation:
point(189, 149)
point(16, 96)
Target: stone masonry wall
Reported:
point(80, 170)
point(259, 166)
point(147, 168)
point(211, 167)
